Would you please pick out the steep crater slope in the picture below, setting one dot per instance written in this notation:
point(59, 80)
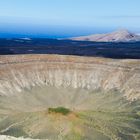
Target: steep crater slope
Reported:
point(101, 94)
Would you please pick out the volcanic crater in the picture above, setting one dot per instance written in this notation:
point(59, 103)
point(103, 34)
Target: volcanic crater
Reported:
point(101, 96)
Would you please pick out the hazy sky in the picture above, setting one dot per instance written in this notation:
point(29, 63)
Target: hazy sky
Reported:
point(68, 17)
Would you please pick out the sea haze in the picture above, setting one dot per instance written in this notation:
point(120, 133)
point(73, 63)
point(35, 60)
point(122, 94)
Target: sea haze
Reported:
point(26, 27)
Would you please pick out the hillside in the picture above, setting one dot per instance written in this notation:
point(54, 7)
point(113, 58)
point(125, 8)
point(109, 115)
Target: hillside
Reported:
point(117, 36)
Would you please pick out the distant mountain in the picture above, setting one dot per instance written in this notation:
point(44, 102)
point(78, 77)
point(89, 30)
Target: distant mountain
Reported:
point(117, 36)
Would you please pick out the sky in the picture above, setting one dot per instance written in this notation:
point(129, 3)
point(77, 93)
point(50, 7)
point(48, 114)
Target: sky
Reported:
point(64, 18)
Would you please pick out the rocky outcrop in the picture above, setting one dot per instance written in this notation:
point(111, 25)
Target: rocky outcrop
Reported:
point(27, 71)
point(2, 137)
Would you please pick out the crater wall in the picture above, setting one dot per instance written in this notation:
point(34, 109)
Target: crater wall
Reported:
point(26, 71)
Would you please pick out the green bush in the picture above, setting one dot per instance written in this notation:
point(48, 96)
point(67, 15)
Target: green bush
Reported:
point(61, 110)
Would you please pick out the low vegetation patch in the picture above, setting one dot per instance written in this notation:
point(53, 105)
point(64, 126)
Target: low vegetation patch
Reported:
point(61, 110)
